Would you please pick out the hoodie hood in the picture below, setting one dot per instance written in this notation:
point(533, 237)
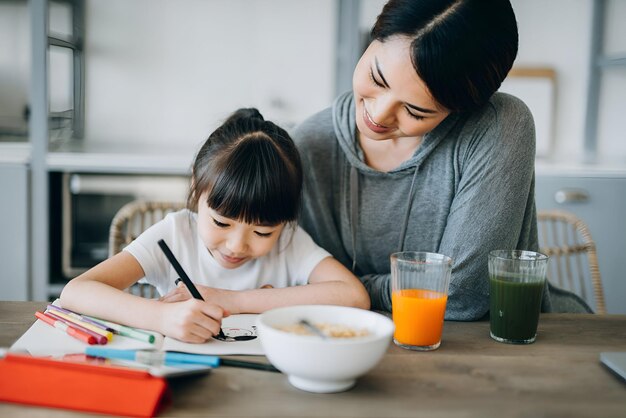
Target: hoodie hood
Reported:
point(344, 124)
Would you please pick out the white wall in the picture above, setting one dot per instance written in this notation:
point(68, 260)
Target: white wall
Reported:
point(557, 34)
point(163, 71)
point(611, 133)
point(14, 62)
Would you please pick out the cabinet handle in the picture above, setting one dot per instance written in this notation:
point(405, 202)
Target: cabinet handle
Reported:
point(571, 196)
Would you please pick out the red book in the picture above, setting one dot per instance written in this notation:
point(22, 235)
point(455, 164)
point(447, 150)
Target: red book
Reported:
point(85, 387)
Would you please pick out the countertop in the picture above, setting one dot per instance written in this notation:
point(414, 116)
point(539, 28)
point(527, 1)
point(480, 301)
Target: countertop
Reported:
point(176, 158)
point(100, 157)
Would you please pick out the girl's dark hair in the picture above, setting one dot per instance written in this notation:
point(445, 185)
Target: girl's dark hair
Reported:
point(461, 49)
point(251, 170)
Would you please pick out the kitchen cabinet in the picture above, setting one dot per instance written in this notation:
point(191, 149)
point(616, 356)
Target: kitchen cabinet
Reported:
point(599, 199)
point(14, 226)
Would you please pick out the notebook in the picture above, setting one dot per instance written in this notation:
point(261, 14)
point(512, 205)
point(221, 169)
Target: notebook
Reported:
point(616, 362)
point(43, 340)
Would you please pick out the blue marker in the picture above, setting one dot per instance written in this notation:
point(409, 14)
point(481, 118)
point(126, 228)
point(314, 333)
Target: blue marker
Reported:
point(153, 357)
point(169, 358)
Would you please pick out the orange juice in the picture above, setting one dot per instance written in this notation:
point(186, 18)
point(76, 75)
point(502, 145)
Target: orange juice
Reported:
point(418, 316)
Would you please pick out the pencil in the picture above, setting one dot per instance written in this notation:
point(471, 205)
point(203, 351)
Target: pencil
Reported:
point(76, 333)
point(183, 276)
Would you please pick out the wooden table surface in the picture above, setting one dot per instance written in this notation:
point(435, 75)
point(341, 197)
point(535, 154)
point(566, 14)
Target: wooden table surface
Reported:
point(470, 375)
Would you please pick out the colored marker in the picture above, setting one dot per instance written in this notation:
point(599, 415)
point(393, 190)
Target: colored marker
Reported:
point(76, 333)
point(171, 358)
point(80, 317)
point(152, 357)
point(100, 339)
point(107, 334)
point(127, 331)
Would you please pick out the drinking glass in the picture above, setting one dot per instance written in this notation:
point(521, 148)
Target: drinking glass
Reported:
point(419, 292)
point(516, 281)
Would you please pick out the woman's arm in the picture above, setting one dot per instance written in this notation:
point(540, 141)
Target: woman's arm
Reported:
point(330, 283)
point(99, 292)
point(494, 206)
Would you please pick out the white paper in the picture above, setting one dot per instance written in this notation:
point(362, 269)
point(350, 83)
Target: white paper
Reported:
point(42, 339)
point(232, 326)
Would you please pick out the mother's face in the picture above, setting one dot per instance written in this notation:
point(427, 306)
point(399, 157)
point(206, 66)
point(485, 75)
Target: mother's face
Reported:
point(391, 100)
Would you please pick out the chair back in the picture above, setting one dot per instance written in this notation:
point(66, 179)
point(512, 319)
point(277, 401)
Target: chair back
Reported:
point(129, 222)
point(573, 261)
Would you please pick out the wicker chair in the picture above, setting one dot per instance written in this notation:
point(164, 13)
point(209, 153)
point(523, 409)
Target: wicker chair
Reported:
point(573, 260)
point(129, 222)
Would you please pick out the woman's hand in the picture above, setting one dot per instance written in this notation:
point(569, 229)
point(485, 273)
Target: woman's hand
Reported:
point(191, 321)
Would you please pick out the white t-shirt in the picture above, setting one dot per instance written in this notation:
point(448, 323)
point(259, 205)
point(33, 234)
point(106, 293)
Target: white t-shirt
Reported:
point(289, 263)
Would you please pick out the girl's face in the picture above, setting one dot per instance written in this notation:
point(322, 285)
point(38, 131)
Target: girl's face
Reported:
point(391, 100)
point(230, 242)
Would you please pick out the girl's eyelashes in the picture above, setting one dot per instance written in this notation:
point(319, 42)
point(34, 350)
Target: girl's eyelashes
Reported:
point(258, 233)
point(219, 224)
point(378, 84)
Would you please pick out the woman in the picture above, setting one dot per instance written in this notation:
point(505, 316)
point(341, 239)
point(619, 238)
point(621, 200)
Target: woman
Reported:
point(423, 155)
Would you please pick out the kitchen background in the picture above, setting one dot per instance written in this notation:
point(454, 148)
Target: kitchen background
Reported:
point(134, 87)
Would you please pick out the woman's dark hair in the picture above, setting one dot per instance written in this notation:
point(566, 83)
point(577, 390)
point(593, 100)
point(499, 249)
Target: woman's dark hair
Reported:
point(461, 49)
point(251, 170)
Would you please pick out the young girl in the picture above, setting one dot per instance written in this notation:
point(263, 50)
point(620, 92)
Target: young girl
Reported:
point(238, 241)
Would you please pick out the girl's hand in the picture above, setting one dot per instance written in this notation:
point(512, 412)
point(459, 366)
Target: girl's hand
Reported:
point(178, 294)
point(221, 297)
point(191, 321)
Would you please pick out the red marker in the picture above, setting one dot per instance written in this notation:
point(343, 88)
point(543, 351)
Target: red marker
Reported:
point(76, 333)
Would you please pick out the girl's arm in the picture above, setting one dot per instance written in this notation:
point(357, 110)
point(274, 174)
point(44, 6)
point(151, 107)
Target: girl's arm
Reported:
point(330, 283)
point(99, 292)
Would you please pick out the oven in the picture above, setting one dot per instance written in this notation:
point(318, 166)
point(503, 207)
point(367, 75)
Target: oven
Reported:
point(88, 202)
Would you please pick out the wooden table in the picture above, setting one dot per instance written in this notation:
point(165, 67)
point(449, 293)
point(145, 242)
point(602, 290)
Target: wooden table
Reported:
point(470, 375)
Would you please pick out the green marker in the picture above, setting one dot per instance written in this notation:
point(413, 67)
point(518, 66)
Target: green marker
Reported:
point(127, 331)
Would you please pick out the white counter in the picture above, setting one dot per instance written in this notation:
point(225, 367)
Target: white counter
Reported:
point(579, 169)
point(101, 157)
point(94, 157)
point(14, 153)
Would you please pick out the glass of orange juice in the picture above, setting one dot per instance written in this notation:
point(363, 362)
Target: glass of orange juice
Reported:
point(419, 292)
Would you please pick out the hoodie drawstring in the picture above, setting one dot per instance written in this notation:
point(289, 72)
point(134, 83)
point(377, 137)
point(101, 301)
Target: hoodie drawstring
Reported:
point(354, 193)
point(408, 211)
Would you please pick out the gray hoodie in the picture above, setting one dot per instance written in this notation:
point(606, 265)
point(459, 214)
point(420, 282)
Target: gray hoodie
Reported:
point(468, 189)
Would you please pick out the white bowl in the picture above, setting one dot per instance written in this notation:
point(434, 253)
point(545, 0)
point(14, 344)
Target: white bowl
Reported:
point(322, 365)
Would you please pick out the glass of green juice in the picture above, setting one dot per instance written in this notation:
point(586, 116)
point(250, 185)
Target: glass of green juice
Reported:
point(516, 282)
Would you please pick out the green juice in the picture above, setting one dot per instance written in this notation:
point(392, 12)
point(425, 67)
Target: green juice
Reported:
point(515, 308)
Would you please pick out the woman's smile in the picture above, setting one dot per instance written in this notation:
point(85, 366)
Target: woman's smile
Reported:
point(373, 126)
